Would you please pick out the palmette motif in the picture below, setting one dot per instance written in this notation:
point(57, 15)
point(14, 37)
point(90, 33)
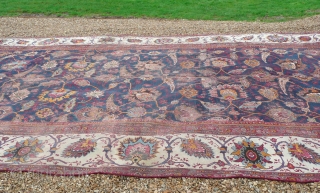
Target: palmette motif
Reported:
point(162, 112)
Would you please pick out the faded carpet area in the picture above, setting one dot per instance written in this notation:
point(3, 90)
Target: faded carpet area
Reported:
point(195, 106)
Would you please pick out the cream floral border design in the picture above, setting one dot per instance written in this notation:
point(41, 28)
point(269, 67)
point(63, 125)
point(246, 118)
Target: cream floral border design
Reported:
point(178, 40)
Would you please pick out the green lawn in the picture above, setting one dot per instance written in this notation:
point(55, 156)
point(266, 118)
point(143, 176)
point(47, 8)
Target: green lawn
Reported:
point(250, 10)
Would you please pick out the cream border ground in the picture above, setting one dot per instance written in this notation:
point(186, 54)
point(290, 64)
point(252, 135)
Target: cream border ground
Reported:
point(265, 38)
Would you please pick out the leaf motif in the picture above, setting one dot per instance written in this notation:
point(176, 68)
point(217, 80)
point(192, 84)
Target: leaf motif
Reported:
point(170, 82)
point(282, 84)
point(244, 82)
point(237, 71)
point(111, 106)
point(268, 68)
point(234, 56)
point(260, 166)
point(173, 56)
point(27, 105)
point(34, 142)
point(207, 72)
point(252, 105)
point(269, 93)
point(265, 154)
point(2, 97)
point(238, 152)
point(212, 107)
point(26, 142)
point(57, 72)
point(69, 105)
point(22, 74)
point(11, 149)
point(112, 85)
point(264, 56)
point(90, 72)
point(302, 77)
point(245, 143)
point(38, 150)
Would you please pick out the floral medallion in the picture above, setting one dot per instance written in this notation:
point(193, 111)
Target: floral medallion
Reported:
point(222, 62)
point(188, 92)
point(49, 65)
point(45, 112)
point(228, 92)
point(252, 62)
point(138, 149)
point(24, 150)
point(187, 64)
point(251, 154)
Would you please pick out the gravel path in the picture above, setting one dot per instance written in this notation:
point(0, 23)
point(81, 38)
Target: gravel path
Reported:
point(57, 27)
point(31, 182)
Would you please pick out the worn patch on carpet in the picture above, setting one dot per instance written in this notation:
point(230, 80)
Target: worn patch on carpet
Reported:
point(201, 106)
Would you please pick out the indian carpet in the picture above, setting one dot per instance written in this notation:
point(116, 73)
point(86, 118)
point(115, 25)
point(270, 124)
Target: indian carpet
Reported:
point(194, 106)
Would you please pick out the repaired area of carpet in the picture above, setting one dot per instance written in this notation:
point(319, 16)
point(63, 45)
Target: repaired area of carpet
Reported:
point(197, 106)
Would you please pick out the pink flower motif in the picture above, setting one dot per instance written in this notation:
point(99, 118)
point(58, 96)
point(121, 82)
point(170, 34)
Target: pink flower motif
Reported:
point(221, 163)
point(274, 140)
point(137, 149)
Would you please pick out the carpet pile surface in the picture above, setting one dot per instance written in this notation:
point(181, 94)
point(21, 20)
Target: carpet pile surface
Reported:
point(219, 106)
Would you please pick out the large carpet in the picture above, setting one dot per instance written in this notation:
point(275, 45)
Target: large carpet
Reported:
point(201, 106)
